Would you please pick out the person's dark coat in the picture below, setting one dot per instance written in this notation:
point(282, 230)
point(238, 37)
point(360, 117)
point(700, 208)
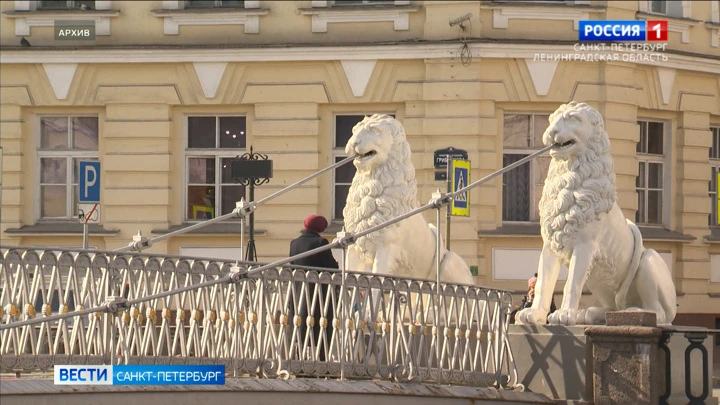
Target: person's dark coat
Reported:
point(526, 302)
point(310, 240)
point(307, 241)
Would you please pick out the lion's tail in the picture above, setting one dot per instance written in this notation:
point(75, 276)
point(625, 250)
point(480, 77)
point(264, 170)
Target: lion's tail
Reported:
point(453, 268)
point(638, 249)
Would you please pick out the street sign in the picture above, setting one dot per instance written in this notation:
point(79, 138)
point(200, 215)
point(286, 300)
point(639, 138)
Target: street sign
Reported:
point(89, 186)
point(460, 171)
point(89, 213)
point(441, 156)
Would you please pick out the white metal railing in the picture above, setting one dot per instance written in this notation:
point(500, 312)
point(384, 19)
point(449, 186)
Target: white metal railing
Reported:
point(151, 309)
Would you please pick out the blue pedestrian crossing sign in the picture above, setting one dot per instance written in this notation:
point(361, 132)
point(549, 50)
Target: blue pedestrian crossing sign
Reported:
point(460, 171)
point(89, 185)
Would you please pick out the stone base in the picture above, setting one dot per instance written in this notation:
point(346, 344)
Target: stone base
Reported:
point(552, 360)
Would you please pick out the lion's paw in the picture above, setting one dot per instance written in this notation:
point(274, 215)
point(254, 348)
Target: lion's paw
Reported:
point(531, 316)
point(567, 317)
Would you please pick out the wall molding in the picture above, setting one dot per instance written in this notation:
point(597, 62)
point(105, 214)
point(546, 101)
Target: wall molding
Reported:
point(173, 19)
point(502, 16)
point(209, 74)
point(330, 53)
point(666, 78)
point(358, 73)
point(322, 16)
point(542, 74)
point(60, 76)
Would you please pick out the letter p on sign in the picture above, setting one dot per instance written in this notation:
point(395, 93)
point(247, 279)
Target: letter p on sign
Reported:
point(89, 187)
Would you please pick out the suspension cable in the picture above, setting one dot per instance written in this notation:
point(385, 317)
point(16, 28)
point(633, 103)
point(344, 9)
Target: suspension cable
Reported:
point(120, 303)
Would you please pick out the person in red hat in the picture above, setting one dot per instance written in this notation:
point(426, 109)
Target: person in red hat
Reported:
point(309, 239)
point(527, 300)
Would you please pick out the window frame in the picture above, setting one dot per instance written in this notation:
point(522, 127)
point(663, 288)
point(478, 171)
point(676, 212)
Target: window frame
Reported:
point(646, 6)
point(363, 3)
point(336, 152)
point(226, 153)
point(664, 159)
point(69, 155)
point(714, 166)
point(520, 151)
point(69, 5)
point(218, 5)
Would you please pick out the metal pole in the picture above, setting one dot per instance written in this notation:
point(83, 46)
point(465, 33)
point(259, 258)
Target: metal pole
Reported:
point(242, 238)
point(251, 255)
point(438, 247)
point(1, 159)
point(343, 316)
point(85, 234)
point(449, 207)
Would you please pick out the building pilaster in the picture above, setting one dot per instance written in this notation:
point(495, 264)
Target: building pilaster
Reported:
point(136, 166)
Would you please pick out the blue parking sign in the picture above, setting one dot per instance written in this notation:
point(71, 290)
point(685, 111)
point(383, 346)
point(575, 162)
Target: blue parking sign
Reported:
point(89, 186)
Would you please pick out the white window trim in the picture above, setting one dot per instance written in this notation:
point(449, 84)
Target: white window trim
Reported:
point(714, 19)
point(218, 154)
point(503, 14)
point(249, 17)
point(666, 160)
point(23, 23)
point(674, 24)
point(522, 151)
point(322, 15)
point(714, 163)
point(68, 155)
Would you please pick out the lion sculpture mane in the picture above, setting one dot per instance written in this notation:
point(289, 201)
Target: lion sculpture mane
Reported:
point(385, 187)
point(584, 228)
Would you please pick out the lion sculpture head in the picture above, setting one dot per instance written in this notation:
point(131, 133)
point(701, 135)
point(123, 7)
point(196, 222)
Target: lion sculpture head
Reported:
point(580, 184)
point(384, 185)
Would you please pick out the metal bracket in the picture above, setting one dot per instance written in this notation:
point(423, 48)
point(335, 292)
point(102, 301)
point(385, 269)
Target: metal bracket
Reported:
point(244, 208)
point(115, 304)
point(237, 273)
point(438, 199)
point(140, 242)
point(345, 239)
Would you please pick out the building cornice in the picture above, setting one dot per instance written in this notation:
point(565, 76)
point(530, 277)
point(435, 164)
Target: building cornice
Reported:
point(489, 50)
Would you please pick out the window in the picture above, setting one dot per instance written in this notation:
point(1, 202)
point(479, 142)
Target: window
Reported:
point(522, 187)
point(213, 4)
point(212, 144)
point(649, 182)
point(714, 171)
point(66, 5)
point(343, 175)
point(63, 143)
point(671, 8)
point(361, 2)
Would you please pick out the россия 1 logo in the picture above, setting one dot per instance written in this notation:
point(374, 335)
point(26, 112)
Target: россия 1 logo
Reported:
point(623, 30)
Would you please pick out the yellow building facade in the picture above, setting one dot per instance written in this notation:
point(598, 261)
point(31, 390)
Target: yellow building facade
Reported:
point(168, 93)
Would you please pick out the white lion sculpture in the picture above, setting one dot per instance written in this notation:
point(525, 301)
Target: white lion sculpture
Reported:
point(583, 227)
point(385, 187)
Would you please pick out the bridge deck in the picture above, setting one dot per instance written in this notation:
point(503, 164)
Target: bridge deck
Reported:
point(299, 391)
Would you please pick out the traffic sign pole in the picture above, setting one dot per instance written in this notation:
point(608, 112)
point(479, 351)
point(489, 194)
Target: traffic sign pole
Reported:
point(89, 192)
point(449, 206)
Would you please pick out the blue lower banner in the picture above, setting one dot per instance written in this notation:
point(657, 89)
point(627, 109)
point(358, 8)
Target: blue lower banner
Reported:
point(136, 374)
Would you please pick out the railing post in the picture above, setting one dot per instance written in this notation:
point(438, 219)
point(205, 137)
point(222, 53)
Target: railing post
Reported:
point(343, 314)
point(438, 247)
point(695, 341)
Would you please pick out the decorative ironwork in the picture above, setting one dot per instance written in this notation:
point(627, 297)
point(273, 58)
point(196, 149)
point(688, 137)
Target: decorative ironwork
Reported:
point(252, 324)
point(252, 169)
